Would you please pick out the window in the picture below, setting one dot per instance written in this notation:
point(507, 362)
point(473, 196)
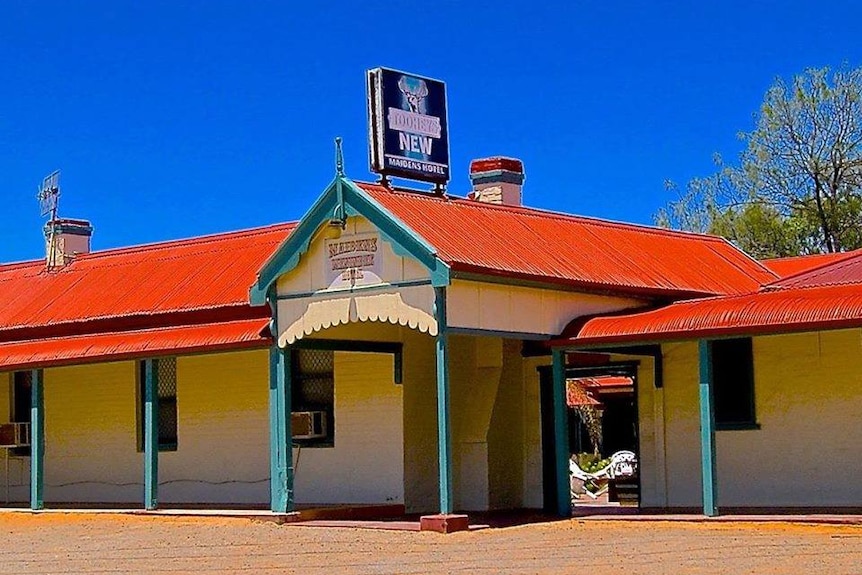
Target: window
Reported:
point(22, 384)
point(733, 384)
point(166, 387)
point(313, 397)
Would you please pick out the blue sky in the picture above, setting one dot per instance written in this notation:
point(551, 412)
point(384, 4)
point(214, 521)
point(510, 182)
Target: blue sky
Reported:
point(171, 119)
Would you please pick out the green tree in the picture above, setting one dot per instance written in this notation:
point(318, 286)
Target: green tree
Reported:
point(797, 188)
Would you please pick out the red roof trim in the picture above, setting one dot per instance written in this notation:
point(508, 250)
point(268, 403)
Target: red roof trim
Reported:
point(762, 313)
point(121, 346)
point(599, 342)
point(121, 323)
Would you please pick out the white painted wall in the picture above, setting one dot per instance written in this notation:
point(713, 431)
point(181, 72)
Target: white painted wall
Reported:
point(311, 273)
point(517, 309)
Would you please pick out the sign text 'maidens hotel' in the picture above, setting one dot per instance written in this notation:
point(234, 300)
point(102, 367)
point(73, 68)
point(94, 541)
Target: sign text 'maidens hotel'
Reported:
point(408, 128)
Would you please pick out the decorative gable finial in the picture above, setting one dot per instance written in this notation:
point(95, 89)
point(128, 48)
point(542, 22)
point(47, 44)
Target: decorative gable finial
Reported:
point(339, 158)
point(339, 214)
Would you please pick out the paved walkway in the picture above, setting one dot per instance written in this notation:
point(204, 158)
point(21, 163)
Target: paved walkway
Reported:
point(104, 543)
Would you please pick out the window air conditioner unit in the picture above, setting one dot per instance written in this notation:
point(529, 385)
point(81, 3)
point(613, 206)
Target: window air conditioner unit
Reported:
point(14, 434)
point(308, 424)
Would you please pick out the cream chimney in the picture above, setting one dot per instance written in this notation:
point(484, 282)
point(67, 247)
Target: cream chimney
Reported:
point(64, 239)
point(497, 180)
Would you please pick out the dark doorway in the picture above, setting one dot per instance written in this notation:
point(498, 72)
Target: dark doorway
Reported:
point(616, 403)
point(546, 415)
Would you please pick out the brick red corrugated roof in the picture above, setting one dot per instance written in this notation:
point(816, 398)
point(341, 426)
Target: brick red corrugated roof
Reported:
point(845, 270)
point(587, 390)
point(202, 276)
point(829, 297)
point(796, 264)
point(583, 252)
point(577, 394)
point(114, 346)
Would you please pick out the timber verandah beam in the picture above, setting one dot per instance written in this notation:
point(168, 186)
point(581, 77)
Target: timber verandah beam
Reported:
point(37, 440)
point(707, 428)
point(280, 432)
point(561, 434)
point(444, 436)
point(396, 349)
point(151, 434)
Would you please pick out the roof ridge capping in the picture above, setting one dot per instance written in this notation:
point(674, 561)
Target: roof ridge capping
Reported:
point(162, 244)
point(535, 211)
point(195, 240)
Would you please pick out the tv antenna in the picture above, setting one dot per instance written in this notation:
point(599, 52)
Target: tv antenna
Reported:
point(49, 195)
point(49, 201)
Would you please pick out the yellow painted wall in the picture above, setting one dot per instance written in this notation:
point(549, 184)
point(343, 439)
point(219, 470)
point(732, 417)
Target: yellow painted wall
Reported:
point(651, 436)
point(421, 471)
point(506, 434)
point(366, 463)
point(386, 434)
point(532, 496)
point(91, 433)
point(223, 431)
point(487, 411)
point(473, 390)
point(419, 463)
point(808, 397)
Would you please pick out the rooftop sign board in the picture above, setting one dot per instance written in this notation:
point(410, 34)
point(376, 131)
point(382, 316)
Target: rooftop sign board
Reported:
point(408, 131)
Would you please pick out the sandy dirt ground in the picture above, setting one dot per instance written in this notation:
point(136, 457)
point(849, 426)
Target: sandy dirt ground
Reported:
point(127, 544)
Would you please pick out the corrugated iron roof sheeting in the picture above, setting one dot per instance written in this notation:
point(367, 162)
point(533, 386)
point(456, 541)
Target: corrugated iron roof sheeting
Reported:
point(793, 265)
point(113, 346)
point(516, 241)
point(201, 273)
point(771, 311)
point(846, 270)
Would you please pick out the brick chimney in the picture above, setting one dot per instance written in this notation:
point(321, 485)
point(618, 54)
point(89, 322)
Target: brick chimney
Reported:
point(64, 239)
point(497, 180)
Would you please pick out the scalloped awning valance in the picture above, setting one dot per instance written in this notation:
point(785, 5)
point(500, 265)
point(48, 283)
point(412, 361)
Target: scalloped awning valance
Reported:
point(411, 307)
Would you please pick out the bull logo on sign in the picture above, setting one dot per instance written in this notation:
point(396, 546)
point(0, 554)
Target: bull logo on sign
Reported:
point(414, 93)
